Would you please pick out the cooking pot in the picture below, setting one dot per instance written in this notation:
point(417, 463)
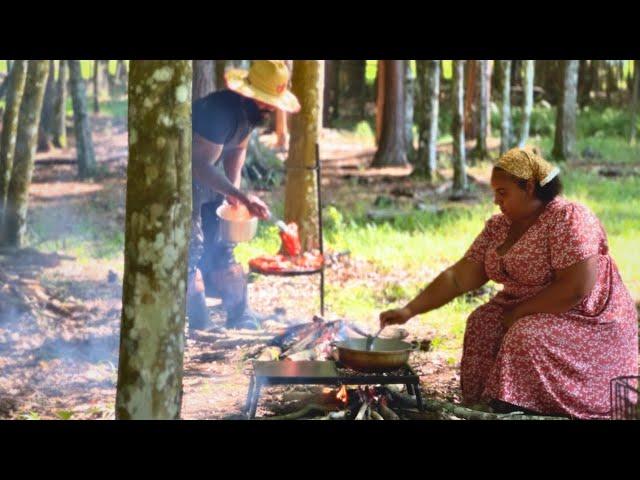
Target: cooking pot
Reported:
point(236, 223)
point(386, 354)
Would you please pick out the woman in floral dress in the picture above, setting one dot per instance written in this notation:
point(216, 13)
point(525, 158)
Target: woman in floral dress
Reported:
point(563, 325)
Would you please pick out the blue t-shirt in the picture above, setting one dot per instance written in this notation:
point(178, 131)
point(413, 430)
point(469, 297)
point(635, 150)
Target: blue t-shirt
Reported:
point(225, 117)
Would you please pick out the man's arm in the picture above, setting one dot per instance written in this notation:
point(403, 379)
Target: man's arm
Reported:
point(233, 161)
point(205, 155)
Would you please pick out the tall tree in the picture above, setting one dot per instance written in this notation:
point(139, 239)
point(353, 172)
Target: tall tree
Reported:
point(505, 130)
point(59, 127)
point(392, 148)
point(99, 80)
point(158, 223)
point(483, 82)
point(381, 87)
point(352, 87)
point(15, 89)
point(565, 138)
point(48, 106)
point(82, 127)
point(471, 99)
point(221, 65)
point(634, 100)
point(121, 73)
point(15, 219)
point(203, 78)
point(281, 120)
point(301, 194)
point(427, 106)
point(330, 91)
point(409, 104)
point(457, 129)
point(528, 102)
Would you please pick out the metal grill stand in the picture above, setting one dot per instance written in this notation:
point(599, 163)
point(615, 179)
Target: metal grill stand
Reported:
point(288, 372)
point(321, 239)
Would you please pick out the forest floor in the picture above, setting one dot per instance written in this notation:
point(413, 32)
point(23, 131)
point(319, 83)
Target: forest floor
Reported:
point(60, 299)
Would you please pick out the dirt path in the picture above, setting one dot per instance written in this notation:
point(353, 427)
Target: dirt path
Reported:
point(65, 366)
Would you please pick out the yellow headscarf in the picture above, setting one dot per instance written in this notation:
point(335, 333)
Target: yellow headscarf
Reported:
point(525, 163)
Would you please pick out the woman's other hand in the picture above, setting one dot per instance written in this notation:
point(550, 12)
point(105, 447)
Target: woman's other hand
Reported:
point(397, 316)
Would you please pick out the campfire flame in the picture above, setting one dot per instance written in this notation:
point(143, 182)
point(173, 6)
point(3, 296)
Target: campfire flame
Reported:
point(342, 395)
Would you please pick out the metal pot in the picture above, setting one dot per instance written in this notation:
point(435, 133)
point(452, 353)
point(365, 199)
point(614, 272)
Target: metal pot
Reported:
point(235, 231)
point(386, 354)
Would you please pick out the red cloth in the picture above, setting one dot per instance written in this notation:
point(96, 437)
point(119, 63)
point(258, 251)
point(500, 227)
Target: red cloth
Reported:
point(545, 362)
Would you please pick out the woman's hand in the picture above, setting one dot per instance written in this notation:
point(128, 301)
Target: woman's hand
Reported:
point(397, 316)
point(255, 205)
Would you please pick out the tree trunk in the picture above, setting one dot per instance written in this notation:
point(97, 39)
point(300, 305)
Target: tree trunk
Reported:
point(15, 221)
point(330, 91)
point(203, 78)
point(470, 102)
point(301, 195)
point(221, 65)
point(47, 115)
point(483, 81)
point(392, 147)
point(82, 127)
point(121, 73)
point(352, 86)
point(528, 102)
point(99, 77)
point(59, 127)
point(565, 137)
point(409, 89)
point(584, 82)
point(505, 130)
point(634, 100)
point(381, 88)
point(15, 89)
point(457, 128)
point(158, 223)
point(427, 106)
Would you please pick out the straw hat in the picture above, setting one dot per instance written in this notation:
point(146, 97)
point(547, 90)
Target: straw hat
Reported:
point(266, 81)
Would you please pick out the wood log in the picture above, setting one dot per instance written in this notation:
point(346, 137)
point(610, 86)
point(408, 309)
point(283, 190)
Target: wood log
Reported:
point(376, 416)
point(386, 412)
point(299, 414)
point(432, 405)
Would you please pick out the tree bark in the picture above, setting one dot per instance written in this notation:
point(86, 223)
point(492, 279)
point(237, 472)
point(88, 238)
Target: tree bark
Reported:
point(221, 65)
point(470, 102)
point(15, 89)
point(15, 221)
point(59, 128)
point(121, 73)
point(158, 223)
point(301, 195)
point(457, 128)
point(565, 135)
point(505, 130)
point(409, 103)
point(392, 149)
point(481, 151)
point(82, 127)
point(427, 106)
point(47, 115)
point(352, 86)
point(203, 78)
point(528, 102)
point(380, 94)
point(634, 101)
point(96, 86)
point(330, 91)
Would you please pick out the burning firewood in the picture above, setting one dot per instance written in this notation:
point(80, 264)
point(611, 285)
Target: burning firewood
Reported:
point(300, 413)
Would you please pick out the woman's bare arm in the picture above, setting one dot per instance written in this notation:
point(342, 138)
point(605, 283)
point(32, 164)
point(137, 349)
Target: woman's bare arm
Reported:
point(567, 289)
point(460, 278)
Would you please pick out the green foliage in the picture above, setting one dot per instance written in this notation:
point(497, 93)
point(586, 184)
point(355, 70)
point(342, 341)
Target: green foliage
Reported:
point(64, 414)
point(30, 416)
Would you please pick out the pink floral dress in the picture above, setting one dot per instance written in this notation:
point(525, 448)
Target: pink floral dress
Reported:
point(549, 363)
